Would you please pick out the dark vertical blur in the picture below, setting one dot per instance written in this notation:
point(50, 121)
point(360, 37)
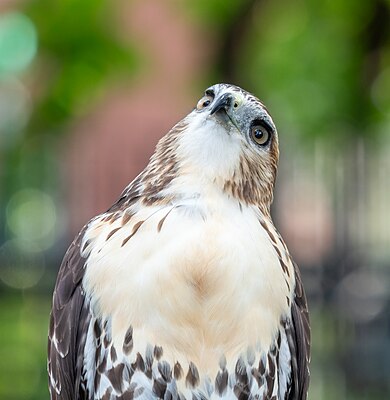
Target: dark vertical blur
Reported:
point(86, 90)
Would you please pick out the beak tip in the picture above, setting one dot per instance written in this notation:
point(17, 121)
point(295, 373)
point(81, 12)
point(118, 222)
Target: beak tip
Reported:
point(222, 102)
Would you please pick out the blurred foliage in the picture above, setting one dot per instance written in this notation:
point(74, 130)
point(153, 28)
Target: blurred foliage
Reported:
point(216, 13)
point(24, 320)
point(78, 55)
point(319, 62)
point(319, 65)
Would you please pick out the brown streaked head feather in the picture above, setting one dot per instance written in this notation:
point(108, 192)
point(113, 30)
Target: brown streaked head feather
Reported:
point(214, 147)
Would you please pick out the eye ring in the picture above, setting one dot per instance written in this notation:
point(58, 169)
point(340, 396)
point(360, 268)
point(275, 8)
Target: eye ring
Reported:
point(260, 134)
point(204, 102)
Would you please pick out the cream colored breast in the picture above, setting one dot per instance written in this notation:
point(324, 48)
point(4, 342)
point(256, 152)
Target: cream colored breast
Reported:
point(207, 283)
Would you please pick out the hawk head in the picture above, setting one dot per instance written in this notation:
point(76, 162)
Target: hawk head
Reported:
point(228, 142)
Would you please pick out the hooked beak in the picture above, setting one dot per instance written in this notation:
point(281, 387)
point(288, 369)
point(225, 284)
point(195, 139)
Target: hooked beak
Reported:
point(223, 109)
point(222, 103)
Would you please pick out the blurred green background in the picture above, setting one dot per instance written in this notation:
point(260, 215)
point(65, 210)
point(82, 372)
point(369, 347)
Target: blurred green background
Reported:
point(88, 87)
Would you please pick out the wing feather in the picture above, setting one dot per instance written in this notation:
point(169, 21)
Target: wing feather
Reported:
point(299, 342)
point(70, 315)
point(69, 320)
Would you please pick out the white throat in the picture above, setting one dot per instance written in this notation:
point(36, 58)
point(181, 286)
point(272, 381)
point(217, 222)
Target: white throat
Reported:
point(207, 151)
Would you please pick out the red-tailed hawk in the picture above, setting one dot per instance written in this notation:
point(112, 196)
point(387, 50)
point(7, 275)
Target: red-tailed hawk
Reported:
point(184, 289)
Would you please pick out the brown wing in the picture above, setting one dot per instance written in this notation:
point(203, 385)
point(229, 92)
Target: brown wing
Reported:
point(69, 319)
point(299, 342)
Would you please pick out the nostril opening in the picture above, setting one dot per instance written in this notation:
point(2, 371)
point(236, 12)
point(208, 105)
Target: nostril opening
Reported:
point(235, 105)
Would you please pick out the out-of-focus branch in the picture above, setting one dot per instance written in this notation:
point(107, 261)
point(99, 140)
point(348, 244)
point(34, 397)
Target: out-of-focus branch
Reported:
point(374, 37)
point(232, 40)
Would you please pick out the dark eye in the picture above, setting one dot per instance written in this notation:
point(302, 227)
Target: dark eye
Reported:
point(260, 134)
point(204, 102)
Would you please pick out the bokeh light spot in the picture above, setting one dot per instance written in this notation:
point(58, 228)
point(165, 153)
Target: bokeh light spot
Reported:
point(22, 264)
point(18, 42)
point(15, 108)
point(362, 295)
point(31, 216)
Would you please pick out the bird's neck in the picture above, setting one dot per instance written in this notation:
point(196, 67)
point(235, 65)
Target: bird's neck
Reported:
point(185, 186)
